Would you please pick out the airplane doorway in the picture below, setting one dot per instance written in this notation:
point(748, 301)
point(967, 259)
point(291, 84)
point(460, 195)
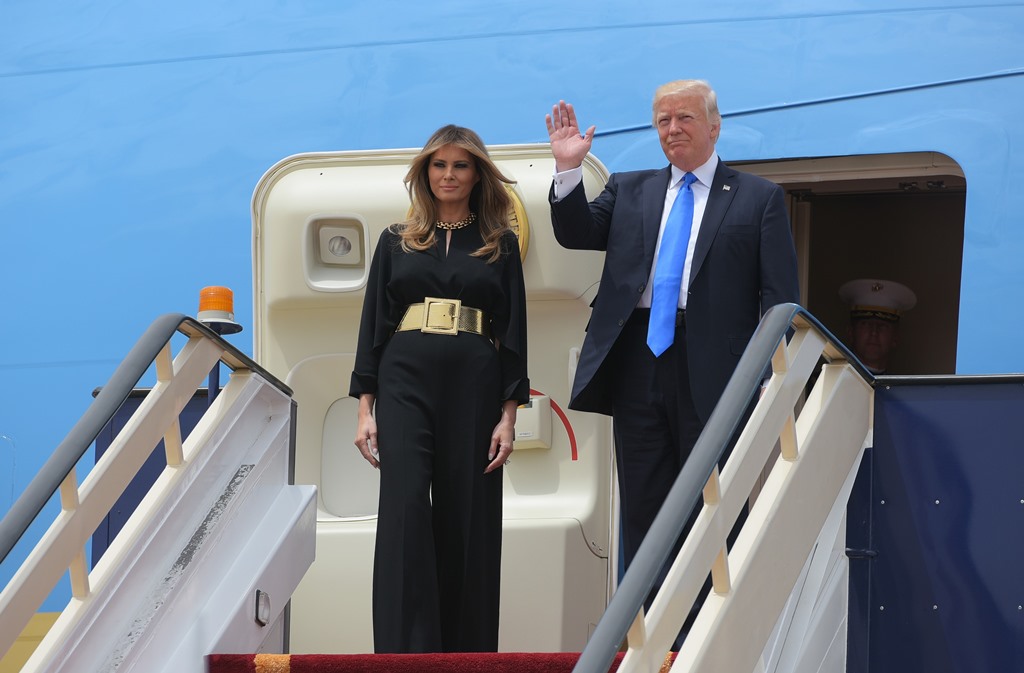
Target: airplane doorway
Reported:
point(896, 217)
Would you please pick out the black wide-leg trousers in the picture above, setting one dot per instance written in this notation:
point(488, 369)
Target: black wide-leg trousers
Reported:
point(437, 557)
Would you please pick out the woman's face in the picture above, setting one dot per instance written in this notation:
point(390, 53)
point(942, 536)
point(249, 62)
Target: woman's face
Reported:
point(452, 174)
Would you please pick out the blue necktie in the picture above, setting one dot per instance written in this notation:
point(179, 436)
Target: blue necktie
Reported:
point(668, 273)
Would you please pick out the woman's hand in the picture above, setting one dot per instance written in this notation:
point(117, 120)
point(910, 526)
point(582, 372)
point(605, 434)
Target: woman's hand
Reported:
point(366, 430)
point(502, 437)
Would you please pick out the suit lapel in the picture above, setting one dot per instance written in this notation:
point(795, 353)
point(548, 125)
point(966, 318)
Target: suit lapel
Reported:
point(654, 202)
point(723, 190)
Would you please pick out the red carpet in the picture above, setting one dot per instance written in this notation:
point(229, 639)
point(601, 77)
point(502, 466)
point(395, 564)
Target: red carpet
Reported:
point(544, 662)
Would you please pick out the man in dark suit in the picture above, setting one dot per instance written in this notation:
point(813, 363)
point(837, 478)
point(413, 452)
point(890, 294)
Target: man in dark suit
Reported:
point(738, 261)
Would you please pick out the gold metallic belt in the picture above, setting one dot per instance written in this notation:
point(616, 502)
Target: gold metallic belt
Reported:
point(444, 316)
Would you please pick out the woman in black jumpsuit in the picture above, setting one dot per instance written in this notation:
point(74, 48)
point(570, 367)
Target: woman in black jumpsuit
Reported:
point(445, 402)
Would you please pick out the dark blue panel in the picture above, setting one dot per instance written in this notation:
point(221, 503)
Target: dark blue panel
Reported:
point(944, 592)
point(861, 552)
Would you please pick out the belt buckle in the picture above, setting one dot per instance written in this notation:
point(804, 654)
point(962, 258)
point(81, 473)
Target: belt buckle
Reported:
point(441, 316)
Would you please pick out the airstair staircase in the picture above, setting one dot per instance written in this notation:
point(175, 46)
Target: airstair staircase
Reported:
point(200, 576)
point(213, 552)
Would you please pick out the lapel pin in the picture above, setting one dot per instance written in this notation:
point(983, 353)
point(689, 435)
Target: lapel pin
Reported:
point(726, 188)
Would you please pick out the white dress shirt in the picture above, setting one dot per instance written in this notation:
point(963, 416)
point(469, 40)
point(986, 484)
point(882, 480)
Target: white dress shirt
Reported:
point(566, 181)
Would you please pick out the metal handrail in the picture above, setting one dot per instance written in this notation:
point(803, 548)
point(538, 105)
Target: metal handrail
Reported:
point(103, 408)
point(686, 492)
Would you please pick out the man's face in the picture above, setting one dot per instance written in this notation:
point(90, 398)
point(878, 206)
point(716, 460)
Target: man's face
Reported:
point(687, 137)
point(873, 340)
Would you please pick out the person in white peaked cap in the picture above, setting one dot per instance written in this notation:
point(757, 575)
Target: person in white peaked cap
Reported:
point(875, 310)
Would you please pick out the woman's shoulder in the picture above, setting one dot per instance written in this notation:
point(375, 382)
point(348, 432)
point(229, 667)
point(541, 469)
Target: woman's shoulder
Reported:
point(509, 242)
point(392, 234)
point(389, 241)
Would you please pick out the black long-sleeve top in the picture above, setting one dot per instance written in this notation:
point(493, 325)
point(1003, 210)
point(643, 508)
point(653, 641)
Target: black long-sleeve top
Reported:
point(398, 279)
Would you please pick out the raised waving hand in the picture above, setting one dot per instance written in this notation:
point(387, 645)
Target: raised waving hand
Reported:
point(568, 145)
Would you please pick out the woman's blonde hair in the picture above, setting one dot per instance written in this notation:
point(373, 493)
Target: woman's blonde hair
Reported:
point(489, 198)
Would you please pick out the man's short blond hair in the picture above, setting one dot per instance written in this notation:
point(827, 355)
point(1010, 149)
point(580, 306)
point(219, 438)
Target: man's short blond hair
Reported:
point(695, 87)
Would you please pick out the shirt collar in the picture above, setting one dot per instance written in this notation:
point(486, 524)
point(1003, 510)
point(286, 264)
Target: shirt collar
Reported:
point(705, 172)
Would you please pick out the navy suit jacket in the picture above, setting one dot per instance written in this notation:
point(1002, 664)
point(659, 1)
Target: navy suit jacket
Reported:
point(744, 262)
